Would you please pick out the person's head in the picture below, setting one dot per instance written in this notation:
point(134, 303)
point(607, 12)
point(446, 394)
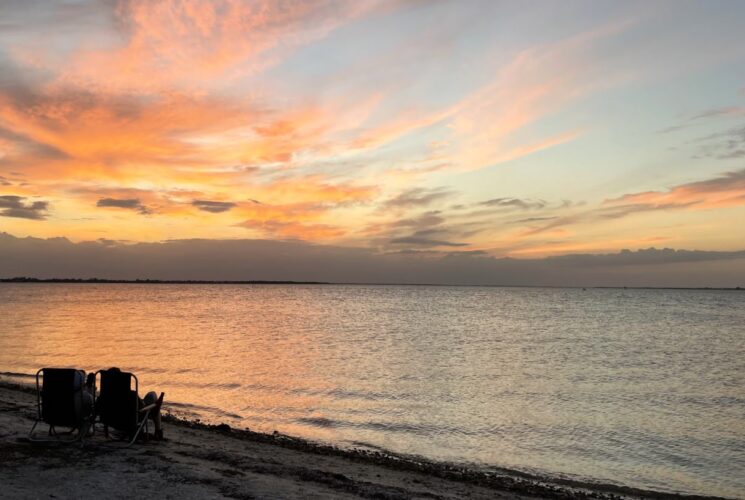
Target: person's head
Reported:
point(114, 369)
point(90, 380)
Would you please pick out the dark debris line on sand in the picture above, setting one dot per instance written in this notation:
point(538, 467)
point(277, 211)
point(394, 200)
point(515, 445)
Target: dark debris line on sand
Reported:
point(507, 481)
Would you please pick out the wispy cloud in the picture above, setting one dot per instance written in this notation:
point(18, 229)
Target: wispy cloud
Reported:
point(705, 115)
point(514, 203)
point(129, 204)
point(727, 190)
point(724, 191)
point(417, 197)
point(724, 145)
point(214, 207)
point(160, 44)
point(724, 111)
point(537, 83)
point(425, 242)
point(302, 221)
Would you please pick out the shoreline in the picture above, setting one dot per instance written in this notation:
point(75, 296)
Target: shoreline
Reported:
point(213, 439)
point(106, 281)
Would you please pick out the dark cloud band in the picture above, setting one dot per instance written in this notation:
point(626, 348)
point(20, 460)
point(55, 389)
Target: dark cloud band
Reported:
point(16, 206)
point(214, 207)
point(129, 203)
point(299, 261)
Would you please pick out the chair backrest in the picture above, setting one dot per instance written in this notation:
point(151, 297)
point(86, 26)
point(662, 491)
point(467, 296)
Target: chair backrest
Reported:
point(118, 405)
point(61, 396)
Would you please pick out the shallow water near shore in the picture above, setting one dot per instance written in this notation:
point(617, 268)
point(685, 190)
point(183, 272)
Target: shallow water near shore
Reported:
point(635, 387)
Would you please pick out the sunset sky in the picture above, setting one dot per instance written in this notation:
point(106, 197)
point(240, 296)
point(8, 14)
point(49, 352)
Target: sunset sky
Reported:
point(503, 129)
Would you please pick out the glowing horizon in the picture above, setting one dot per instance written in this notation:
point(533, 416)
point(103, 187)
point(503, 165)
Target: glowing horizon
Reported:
point(391, 125)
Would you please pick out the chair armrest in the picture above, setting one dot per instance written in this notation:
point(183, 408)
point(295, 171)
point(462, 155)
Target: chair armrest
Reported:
point(152, 406)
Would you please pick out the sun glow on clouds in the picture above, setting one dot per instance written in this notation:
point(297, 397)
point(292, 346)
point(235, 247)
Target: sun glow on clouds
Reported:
point(154, 120)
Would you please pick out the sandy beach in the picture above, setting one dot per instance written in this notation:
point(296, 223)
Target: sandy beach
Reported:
point(200, 461)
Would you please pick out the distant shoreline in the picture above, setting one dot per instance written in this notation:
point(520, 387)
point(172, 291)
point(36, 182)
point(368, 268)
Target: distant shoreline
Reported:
point(161, 282)
point(292, 282)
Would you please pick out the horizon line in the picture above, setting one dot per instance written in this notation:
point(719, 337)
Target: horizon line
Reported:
point(148, 281)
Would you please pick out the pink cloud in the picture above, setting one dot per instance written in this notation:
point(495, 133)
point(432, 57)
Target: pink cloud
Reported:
point(727, 190)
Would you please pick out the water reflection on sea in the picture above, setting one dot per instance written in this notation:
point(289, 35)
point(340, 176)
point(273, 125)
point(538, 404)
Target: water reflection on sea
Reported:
point(637, 387)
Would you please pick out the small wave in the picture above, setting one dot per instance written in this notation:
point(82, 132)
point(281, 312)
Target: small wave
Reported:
point(427, 430)
point(370, 446)
point(341, 393)
point(322, 422)
point(140, 370)
point(195, 408)
point(205, 385)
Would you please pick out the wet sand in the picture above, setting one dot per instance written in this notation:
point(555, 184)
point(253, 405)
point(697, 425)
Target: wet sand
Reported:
point(201, 461)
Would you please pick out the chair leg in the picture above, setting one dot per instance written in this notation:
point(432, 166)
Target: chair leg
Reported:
point(52, 435)
point(31, 432)
point(85, 427)
point(139, 429)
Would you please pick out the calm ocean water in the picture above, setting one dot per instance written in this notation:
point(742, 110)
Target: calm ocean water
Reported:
point(644, 388)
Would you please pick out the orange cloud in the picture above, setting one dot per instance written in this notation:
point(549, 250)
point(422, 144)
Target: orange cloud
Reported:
point(563, 247)
point(100, 133)
point(298, 220)
point(297, 207)
point(536, 83)
point(189, 43)
point(294, 230)
point(314, 188)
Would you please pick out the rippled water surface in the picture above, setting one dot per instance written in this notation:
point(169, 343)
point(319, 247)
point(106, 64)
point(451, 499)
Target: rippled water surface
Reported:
point(638, 387)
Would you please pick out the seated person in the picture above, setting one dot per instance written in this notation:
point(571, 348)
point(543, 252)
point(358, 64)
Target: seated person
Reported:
point(149, 399)
point(84, 403)
point(89, 393)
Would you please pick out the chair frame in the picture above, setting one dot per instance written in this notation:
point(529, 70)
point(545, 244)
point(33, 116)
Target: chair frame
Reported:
point(86, 424)
point(143, 413)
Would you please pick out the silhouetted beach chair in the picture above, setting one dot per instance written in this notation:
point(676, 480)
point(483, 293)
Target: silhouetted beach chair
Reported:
point(118, 404)
point(60, 402)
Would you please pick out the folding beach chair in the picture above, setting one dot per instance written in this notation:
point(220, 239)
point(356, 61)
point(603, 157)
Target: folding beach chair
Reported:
point(118, 404)
point(60, 402)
